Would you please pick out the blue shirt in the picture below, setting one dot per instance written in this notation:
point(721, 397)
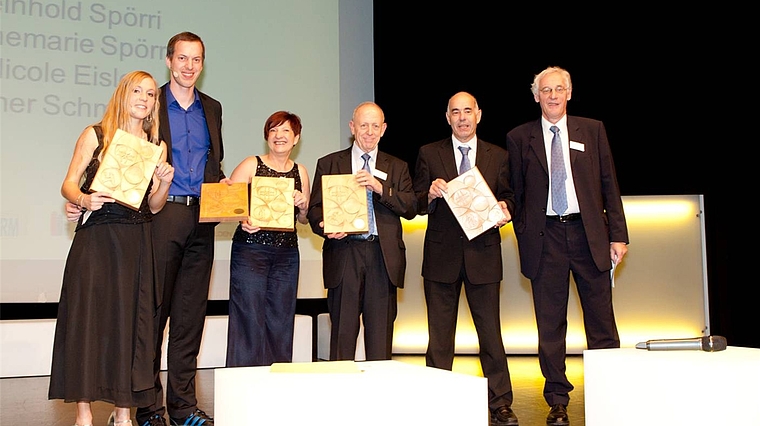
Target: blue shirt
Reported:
point(190, 145)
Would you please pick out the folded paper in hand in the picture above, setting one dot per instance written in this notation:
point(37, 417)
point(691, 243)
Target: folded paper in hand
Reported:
point(473, 203)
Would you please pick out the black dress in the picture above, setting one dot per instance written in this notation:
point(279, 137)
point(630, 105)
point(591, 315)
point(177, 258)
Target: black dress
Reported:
point(106, 331)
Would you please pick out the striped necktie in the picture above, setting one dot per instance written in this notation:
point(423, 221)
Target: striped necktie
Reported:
point(370, 203)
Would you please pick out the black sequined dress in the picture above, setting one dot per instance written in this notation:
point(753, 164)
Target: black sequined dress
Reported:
point(107, 325)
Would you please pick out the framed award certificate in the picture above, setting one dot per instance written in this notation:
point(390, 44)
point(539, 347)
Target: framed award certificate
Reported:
point(221, 202)
point(344, 205)
point(127, 168)
point(272, 206)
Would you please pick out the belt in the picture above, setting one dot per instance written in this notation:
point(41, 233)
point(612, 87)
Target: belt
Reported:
point(566, 218)
point(188, 200)
point(360, 237)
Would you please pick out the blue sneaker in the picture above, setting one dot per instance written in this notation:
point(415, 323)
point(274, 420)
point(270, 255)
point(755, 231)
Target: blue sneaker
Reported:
point(197, 418)
point(154, 420)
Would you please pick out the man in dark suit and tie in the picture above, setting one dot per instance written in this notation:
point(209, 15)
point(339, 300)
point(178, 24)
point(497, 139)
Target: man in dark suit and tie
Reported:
point(569, 219)
point(362, 272)
point(450, 259)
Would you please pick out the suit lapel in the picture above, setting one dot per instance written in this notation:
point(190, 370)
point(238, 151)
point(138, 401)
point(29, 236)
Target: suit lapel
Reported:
point(382, 163)
point(536, 143)
point(446, 155)
point(574, 133)
point(164, 132)
point(482, 157)
point(344, 162)
point(211, 119)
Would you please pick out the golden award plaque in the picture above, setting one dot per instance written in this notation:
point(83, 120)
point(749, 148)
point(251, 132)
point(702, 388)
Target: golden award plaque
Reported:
point(473, 203)
point(127, 169)
point(344, 205)
point(221, 202)
point(272, 203)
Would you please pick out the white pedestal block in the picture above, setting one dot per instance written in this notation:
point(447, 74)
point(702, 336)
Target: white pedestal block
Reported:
point(302, 339)
point(688, 387)
point(382, 393)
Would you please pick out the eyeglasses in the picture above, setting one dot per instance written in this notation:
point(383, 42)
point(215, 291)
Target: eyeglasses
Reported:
point(548, 90)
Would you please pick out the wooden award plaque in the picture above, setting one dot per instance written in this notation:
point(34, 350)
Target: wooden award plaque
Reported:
point(272, 203)
point(344, 205)
point(473, 203)
point(221, 202)
point(127, 169)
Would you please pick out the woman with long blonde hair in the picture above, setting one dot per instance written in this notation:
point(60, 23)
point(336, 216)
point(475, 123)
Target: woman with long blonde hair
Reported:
point(107, 326)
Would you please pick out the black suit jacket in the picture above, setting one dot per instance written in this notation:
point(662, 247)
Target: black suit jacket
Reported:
point(212, 109)
point(446, 245)
point(596, 186)
point(396, 201)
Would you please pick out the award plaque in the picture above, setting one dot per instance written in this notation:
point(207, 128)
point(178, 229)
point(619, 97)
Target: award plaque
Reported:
point(221, 202)
point(344, 205)
point(272, 203)
point(127, 169)
point(473, 203)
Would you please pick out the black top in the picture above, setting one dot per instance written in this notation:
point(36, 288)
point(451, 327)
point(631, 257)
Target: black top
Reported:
point(271, 238)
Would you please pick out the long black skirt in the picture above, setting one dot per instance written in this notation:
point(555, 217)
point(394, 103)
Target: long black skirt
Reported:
point(107, 326)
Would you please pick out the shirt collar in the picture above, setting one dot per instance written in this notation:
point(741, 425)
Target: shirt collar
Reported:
point(170, 99)
point(471, 143)
point(561, 123)
point(357, 153)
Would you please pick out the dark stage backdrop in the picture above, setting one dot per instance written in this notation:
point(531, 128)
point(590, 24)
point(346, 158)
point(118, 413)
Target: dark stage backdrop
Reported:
point(643, 76)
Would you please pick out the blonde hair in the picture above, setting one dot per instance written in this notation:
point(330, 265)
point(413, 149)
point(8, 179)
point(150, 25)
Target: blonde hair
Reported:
point(117, 111)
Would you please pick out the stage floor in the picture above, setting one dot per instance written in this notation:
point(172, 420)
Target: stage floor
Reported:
point(23, 401)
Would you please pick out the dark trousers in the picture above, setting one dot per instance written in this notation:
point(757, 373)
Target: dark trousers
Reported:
point(566, 251)
point(442, 300)
point(365, 291)
point(184, 251)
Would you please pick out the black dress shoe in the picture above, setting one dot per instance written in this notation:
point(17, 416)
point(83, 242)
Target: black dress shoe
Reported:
point(558, 416)
point(503, 416)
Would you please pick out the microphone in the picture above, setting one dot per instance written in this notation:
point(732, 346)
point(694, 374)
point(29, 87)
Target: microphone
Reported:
point(175, 74)
point(706, 343)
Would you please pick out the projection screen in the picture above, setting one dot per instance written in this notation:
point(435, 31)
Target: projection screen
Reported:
point(61, 60)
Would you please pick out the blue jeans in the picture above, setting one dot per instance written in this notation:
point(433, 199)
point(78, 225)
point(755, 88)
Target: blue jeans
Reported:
point(263, 289)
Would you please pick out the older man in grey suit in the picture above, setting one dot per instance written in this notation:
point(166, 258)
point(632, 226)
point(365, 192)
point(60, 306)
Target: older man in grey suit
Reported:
point(569, 219)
